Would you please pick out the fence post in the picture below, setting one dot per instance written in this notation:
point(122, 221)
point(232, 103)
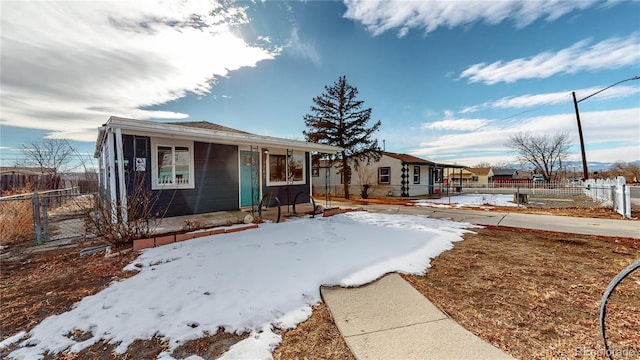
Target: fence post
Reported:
point(45, 219)
point(624, 201)
point(36, 219)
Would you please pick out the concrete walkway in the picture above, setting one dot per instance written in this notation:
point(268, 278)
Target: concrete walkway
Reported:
point(389, 319)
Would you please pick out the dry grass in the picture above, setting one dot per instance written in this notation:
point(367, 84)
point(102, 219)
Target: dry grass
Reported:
point(16, 220)
point(536, 294)
point(47, 284)
point(561, 205)
point(316, 338)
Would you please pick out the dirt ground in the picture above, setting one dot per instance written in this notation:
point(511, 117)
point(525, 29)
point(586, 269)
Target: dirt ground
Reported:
point(533, 294)
point(565, 205)
point(536, 294)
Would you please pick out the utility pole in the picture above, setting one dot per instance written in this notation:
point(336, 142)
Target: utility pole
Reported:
point(585, 172)
point(585, 175)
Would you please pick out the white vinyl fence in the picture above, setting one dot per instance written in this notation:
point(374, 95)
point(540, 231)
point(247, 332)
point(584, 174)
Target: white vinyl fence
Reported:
point(611, 192)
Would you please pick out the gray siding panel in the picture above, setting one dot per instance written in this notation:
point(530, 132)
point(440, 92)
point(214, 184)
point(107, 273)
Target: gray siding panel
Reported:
point(216, 184)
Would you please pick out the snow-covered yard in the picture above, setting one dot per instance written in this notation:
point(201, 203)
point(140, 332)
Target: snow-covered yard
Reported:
point(245, 281)
point(470, 200)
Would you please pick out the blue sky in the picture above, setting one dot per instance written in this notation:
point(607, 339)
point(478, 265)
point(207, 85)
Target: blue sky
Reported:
point(450, 81)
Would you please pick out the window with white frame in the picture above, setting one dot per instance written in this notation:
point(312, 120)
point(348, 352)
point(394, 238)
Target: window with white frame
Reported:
point(384, 175)
point(173, 164)
point(286, 167)
point(416, 174)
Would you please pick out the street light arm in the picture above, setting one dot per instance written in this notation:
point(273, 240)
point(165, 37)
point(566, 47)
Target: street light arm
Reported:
point(610, 86)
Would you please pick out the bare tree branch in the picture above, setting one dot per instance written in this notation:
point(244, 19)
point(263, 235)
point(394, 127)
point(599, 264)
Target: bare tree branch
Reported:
point(51, 156)
point(544, 152)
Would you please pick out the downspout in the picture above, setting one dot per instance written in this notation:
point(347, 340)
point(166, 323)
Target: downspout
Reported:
point(122, 186)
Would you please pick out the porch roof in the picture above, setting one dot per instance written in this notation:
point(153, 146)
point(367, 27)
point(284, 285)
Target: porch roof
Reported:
point(205, 132)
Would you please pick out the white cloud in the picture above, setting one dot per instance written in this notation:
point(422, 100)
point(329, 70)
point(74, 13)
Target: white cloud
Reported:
point(381, 16)
point(67, 66)
point(488, 142)
point(532, 100)
point(303, 49)
point(622, 153)
point(608, 54)
point(457, 124)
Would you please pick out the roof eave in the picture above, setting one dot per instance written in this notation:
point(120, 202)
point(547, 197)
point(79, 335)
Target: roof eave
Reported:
point(208, 135)
point(102, 133)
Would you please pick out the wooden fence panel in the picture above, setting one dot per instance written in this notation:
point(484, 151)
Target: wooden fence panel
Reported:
point(9, 182)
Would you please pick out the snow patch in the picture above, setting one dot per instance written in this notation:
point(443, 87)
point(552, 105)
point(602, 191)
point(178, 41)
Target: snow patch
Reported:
point(250, 281)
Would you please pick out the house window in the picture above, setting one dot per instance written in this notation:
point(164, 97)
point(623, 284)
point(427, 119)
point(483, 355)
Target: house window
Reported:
point(416, 174)
point(173, 165)
point(474, 178)
point(286, 168)
point(384, 175)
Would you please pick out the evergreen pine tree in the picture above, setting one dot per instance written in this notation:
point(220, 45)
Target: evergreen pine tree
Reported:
point(338, 118)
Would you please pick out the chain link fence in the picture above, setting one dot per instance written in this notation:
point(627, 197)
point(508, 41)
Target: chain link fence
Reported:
point(45, 216)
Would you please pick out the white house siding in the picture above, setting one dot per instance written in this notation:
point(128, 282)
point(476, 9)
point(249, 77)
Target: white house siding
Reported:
point(423, 187)
point(394, 188)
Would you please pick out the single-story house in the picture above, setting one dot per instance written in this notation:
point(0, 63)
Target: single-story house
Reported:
point(502, 175)
point(483, 176)
point(525, 174)
point(393, 175)
point(470, 177)
point(511, 176)
point(199, 167)
point(461, 177)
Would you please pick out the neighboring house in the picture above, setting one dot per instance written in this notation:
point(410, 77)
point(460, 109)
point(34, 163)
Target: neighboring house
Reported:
point(505, 175)
point(508, 177)
point(525, 174)
point(199, 167)
point(470, 177)
point(393, 175)
point(458, 177)
point(482, 176)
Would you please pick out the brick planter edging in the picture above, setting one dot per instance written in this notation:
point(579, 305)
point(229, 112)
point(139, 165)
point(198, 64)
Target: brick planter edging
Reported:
point(332, 212)
point(140, 244)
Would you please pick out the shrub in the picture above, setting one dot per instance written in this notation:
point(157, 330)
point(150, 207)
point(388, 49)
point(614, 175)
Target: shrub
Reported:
point(141, 218)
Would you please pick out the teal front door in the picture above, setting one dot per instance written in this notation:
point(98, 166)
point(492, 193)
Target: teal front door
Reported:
point(249, 178)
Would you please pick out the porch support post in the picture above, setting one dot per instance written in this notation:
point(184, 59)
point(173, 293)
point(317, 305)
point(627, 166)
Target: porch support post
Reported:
point(309, 169)
point(103, 171)
point(122, 187)
point(111, 173)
